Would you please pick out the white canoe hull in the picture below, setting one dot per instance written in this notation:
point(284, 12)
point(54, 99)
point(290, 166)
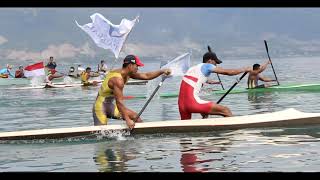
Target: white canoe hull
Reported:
point(285, 118)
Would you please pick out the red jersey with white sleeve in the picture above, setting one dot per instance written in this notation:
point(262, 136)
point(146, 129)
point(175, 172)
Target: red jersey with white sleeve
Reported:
point(189, 101)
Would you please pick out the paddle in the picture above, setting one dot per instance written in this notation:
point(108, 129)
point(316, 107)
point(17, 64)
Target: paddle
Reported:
point(154, 92)
point(209, 49)
point(220, 80)
point(243, 75)
point(265, 43)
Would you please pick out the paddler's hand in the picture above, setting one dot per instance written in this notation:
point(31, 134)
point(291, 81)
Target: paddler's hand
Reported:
point(130, 124)
point(167, 72)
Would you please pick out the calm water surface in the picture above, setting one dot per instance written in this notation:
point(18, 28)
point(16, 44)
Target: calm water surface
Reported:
point(266, 149)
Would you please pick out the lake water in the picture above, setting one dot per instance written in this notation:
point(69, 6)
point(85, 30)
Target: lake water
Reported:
point(246, 150)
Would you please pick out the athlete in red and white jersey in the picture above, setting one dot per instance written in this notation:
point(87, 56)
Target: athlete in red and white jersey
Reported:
point(189, 101)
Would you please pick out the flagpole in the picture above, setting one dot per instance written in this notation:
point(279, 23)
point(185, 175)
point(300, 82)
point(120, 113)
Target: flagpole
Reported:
point(150, 98)
point(162, 65)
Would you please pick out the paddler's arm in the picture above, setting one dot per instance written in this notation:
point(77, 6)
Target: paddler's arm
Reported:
point(118, 85)
point(264, 66)
point(94, 74)
point(150, 75)
point(231, 72)
point(264, 79)
point(213, 82)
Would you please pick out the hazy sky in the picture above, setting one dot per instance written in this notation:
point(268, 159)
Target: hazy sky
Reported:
point(37, 33)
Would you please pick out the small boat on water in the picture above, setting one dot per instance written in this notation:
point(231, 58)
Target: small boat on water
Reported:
point(285, 118)
point(26, 81)
point(64, 85)
point(29, 81)
point(20, 81)
point(281, 88)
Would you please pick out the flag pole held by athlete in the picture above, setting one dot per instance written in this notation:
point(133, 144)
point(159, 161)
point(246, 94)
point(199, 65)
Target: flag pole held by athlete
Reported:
point(178, 67)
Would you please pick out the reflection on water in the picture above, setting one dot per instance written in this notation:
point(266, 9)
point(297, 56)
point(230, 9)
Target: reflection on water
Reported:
point(190, 152)
point(262, 100)
point(111, 159)
point(264, 150)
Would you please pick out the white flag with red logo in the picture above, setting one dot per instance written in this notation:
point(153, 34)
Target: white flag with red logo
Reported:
point(36, 69)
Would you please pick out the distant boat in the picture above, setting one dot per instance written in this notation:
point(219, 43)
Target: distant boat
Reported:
point(25, 81)
point(20, 81)
point(281, 88)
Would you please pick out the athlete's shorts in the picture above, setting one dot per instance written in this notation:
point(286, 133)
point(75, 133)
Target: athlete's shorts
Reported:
point(189, 103)
point(103, 109)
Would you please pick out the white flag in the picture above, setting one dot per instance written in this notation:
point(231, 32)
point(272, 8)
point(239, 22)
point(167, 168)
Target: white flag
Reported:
point(107, 35)
point(180, 65)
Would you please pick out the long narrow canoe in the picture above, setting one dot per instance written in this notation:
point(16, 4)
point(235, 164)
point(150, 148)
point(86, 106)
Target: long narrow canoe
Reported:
point(285, 118)
point(20, 81)
point(282, 88)
point(54, 85)
point(64, 85)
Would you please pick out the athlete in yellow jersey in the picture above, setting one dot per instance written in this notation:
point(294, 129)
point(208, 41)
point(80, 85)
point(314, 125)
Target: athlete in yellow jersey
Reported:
point(85, 76)
point(254, 76)
point(112, 89)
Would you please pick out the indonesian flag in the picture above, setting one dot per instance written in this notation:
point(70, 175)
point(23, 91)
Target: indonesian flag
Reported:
point(34, 70)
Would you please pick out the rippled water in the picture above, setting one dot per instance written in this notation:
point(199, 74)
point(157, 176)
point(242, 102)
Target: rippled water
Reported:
point(267, 149)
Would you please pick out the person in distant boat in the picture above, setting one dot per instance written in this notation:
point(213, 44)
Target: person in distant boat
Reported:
point(112, 89)
point(6, 72)
point(189, 101)
point(254, 76)
point(72, 72)
point(52, 75)
point(20, 73)
point(85, 76)
point(51, 64)
point(102, 67)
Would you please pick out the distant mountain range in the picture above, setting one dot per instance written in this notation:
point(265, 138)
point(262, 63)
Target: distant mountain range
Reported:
point(37, 33)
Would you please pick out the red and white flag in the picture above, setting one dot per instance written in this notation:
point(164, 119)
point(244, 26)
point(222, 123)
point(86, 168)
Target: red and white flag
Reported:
point(34, 70)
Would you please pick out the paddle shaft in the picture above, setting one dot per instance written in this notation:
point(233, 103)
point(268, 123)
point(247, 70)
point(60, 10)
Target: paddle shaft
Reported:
point(220, 81)
point(243, 75)
point(265, 43)
point(209, 49)
point(150, 98)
